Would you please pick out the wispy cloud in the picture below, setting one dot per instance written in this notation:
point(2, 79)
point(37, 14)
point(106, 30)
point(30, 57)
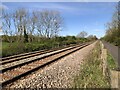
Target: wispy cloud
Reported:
point(64, 7)
point(54, 6)
point(97, 30)
point(3, 7)
point(69, 8)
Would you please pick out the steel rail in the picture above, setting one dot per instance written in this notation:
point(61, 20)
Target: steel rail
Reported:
point(41, 65)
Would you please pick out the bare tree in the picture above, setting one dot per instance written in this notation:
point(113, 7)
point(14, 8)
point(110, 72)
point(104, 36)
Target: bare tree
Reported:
point(32, 21)
point(50, 23)
point(82, 34)
point(114, 24)
point(92, 37)
point(113, 28)
point(38, 23)
point(6, 25)
point(46, 23)
point(20, 18)
point(119, 15)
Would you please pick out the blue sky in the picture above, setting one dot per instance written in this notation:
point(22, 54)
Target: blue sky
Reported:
point(78, 16)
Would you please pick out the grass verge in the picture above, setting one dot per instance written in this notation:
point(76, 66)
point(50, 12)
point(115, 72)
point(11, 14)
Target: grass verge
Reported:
point(110, 62)
point(91, 75)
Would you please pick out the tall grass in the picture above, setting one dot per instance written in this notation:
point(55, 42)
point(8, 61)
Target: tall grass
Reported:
point(111, 62)
point(91, 75)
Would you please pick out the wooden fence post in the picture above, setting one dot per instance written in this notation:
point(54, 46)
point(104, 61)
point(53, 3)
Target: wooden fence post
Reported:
point(104, 58)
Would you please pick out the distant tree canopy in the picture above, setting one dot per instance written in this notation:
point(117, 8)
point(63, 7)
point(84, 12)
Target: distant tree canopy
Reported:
point(25, 24)
point(26, 31)
point(82, 34)
point(92, 37)
point(113, 28)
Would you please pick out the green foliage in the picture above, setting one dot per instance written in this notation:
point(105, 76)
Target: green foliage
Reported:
point(113, 37)
point(44, 43)
point(117, 41)
point(12, 49)
point(110, 61)
point(91, 75)
point(113, 29)
point(6, 38)
point(92, 37)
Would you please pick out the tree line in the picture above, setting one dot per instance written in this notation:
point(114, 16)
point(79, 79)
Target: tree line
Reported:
point(113, 28)
point(26, 31)
point(23, 25)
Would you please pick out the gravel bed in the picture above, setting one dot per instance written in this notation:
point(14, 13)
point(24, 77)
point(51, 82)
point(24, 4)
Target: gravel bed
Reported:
point(57, 75)
point(32, 65)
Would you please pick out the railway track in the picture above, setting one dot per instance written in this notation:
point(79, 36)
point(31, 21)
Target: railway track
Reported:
point(16, 61)
point(25, 55)
point(29, 53)
point(18, 57)
point(12, 61)
point(22, 67)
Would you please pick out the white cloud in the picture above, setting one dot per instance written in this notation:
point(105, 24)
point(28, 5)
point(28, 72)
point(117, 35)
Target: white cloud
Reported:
point(63, 8)
point(97, 30)
point(56, 6)
point(3, 7)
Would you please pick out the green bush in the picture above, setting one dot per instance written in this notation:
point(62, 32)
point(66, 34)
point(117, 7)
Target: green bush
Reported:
point(17, 47)
point(13, 49)
point(117, 41)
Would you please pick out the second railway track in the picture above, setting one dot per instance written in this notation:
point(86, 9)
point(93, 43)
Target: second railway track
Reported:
point(25, 55)
point(15, 62)
point(14, 72)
